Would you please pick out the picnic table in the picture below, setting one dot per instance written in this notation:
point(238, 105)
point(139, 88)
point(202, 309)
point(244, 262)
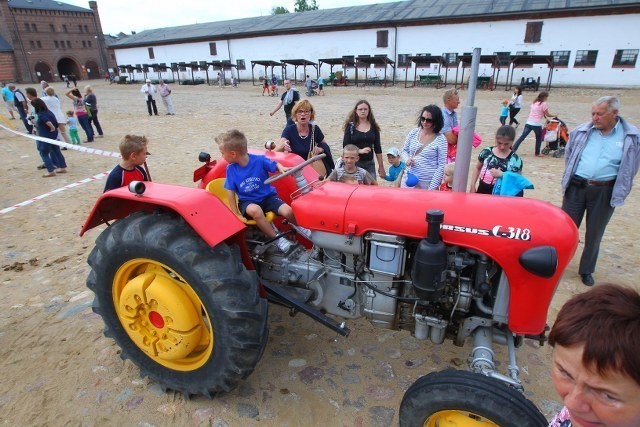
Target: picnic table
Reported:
point(430, 80)
point(375, 80)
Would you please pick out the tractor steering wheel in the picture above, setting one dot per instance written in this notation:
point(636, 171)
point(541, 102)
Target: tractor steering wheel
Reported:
point(294, 169)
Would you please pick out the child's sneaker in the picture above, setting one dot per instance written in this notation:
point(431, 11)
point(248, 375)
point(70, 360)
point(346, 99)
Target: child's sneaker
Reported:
point(284, 245)
point(305, 231)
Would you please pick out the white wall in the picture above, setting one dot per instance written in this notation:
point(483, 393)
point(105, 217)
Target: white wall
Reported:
point(606, 34)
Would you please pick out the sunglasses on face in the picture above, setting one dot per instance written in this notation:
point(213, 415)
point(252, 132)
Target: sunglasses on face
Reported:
point(426, 119)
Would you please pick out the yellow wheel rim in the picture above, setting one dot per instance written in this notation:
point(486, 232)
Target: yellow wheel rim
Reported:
point(162, 314)
point(454, 418)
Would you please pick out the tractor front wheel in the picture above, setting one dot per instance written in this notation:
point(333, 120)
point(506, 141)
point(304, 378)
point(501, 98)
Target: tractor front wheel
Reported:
point(188, 315)
point(466, 399)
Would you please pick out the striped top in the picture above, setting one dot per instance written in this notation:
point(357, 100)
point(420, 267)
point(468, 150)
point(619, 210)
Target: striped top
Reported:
point(429, 164)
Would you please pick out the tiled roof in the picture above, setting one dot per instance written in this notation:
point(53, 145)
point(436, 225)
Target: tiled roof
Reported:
point(384, 14)
point(46, 5)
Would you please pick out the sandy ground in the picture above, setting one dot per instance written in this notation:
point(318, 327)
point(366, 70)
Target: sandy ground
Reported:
point(57, 367)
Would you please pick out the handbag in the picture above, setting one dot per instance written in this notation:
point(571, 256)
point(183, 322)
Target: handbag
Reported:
point(318, 165)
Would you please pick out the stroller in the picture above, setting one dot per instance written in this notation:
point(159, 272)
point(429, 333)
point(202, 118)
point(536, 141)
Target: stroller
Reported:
point(314, 87)
point(556, 135)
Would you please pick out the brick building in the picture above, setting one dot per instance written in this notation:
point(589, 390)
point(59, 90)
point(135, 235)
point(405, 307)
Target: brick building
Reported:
point(46, 39)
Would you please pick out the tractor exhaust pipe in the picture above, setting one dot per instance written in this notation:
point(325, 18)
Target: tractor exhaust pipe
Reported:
point(430, 260)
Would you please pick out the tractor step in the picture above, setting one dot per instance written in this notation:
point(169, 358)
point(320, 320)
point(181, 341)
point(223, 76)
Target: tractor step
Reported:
point(283, 295)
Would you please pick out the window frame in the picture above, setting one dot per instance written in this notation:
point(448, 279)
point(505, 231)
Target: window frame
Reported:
point(504, 58)
point(151, 53)
point(560, 55)
point(403, 60)
point(448, 55)
point(213, 49)
point(533, 32)
point(582, 55)
point(382, 38)
point(620, 53)
point(241, 64)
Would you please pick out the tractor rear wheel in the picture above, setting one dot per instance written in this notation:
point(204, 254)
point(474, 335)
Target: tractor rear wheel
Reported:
point(188, 315)
point(466, 399)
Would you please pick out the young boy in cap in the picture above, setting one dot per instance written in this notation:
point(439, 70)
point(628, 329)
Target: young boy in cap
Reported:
point(393, 156)
point(504, 112)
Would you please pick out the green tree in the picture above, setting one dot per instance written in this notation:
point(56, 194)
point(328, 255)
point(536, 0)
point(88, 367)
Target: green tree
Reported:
point(303, 5)
point(279, 10)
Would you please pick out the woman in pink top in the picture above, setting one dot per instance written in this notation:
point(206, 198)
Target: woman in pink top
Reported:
point(534, 122)
point(81, 112)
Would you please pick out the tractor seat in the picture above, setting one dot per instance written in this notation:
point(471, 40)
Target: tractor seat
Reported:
point(216, 187)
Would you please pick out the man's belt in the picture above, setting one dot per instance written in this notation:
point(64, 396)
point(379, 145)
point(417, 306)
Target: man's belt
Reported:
point(583, 182)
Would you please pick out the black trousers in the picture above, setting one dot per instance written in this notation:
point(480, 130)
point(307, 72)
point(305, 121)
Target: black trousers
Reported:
point(152, 103)
point(595, 201)
point(513, 112)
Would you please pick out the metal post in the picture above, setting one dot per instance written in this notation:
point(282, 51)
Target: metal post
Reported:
point(467, 128)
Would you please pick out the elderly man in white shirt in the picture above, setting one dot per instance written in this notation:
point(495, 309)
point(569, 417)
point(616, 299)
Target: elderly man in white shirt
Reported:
point(150, 91)
point(165, 93)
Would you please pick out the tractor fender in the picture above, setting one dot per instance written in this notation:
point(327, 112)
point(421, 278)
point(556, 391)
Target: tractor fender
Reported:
point(203, 211)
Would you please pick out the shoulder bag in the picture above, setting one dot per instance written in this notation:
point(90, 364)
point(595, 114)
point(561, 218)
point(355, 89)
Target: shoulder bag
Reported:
point(318, 165)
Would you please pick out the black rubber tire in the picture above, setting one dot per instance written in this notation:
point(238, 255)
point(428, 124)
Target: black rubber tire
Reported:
point(228, 292)
point(546, 150)
point(451, 390)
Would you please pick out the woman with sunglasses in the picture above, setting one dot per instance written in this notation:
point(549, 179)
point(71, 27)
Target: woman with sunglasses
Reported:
point(298, 137)
point(426, 150)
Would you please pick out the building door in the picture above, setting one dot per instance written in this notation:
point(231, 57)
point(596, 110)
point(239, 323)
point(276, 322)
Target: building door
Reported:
point(68, 67)
point(93, 71)
point(43, 71)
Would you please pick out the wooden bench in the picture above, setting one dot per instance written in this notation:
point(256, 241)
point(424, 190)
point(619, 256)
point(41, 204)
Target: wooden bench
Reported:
point(430, 80)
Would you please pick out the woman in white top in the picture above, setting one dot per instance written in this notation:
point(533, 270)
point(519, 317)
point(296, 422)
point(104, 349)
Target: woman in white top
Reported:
point(515, 105)
point(425, 150)
point(538, 112)
point(53, 104)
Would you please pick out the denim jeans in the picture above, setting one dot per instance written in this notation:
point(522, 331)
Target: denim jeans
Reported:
point(83, 119)
point(537, 130)
point(51, 156)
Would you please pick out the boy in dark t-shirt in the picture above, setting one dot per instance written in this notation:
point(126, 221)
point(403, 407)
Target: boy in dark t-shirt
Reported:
point(133, 149)
point(348, 168)
point(246, 174)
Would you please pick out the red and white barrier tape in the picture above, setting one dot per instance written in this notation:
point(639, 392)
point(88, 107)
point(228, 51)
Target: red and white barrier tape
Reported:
point(68, 186)
point(80, 148)
point(57, 190)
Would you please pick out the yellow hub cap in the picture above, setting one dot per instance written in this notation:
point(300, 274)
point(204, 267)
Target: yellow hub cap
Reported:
point(457, 419)
point(162, 315)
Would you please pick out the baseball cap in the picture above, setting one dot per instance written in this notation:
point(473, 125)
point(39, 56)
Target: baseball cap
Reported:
point(148, 80)
point(393, 151)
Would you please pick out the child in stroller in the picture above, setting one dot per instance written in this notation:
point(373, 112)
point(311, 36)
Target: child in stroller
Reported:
point(556, 136)
point(314, 87)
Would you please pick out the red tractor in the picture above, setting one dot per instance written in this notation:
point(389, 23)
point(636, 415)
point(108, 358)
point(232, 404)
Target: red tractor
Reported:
point(183, 284)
